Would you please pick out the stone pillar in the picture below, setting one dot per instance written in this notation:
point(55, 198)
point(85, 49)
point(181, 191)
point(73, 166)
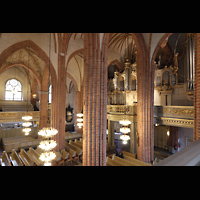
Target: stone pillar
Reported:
point(145, 105)
point(94, 102)
point(133, 138)
point(197, 88)
point(43, 108)
point(111, 136)
point(60, 111)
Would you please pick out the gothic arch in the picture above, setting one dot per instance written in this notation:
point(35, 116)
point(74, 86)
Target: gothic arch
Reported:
point(26, 43)
point(158, 47)
point(117, 63)
point(22, 65)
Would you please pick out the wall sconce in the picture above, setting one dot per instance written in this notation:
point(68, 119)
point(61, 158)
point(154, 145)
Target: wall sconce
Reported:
point(168, 131)
point(34, 96)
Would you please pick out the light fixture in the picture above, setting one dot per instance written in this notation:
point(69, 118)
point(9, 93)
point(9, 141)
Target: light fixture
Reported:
point(27, 124)
point(80, 120)
point(79, 115)
point(168, 133)
point(27, 117)
point(48, 132)
point(124, 122)
point(47, 145)
point(125, 138)
point(125, 130)
point(47, 157)
point(26, 130)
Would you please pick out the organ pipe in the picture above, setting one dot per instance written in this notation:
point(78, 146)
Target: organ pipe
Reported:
point(190, 62)
point(127, 75)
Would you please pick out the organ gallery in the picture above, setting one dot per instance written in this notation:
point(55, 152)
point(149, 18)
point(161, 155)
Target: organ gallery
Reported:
point(99, 99)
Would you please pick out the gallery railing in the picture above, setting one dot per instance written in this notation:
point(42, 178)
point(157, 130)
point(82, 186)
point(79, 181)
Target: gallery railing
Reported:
point(17, 116)
point(182, 116)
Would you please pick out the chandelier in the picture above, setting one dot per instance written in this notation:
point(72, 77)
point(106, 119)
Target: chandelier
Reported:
point(124, 122)
point(27, 117)
point(47, 157)
point(47, 133)
point(47, 145)
point(125, 129)
point(80, 120)
point(125, 138)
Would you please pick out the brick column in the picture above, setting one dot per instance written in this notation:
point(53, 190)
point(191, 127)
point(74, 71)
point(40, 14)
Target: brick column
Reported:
point(94, 103)
point(145, 104)
point(43, 109)
point(60, 104)
point(197, 88)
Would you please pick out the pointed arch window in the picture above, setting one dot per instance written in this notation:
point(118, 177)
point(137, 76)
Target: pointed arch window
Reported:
point(13, 90)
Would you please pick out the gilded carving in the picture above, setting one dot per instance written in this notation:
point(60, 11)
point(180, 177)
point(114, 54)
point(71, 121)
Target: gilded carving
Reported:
point(183, 111)
point(164, 110)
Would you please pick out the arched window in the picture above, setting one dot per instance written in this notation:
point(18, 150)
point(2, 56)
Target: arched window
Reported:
point(13, 90)
point(50, 90)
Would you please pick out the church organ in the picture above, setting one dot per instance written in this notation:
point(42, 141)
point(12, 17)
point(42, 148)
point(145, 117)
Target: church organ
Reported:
point(122, 88)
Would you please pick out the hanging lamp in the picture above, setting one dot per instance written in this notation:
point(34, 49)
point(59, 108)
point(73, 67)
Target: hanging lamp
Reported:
point(27, 117)
point(48, 132)
point(80, 120)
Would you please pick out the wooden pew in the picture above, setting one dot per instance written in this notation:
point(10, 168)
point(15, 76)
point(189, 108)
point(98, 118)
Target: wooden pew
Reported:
point(129, 154)
point(122, 161)
point(35, 156)
point(130, 162)
point(4, 160)
point(79, 142)
point(26, 158)
point(129, 157)
point(16, 161)
point(66, 156)
point(72, 151)
point(111, 162)
point(75, 148)
point(39, 150)
point(58, 159)
point(75, 144)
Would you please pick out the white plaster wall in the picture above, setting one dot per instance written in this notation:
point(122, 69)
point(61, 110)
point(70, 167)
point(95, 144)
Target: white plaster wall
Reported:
point(183, 134)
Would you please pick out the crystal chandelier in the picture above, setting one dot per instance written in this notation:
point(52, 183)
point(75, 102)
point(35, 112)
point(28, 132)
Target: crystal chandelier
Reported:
point(125, 129)
point(26, 130)
point(124, 122)
point(27, 117)
point(47, 145)
point(47, 157)
point(47, 133)
point(80, 120)
point(125, 138)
